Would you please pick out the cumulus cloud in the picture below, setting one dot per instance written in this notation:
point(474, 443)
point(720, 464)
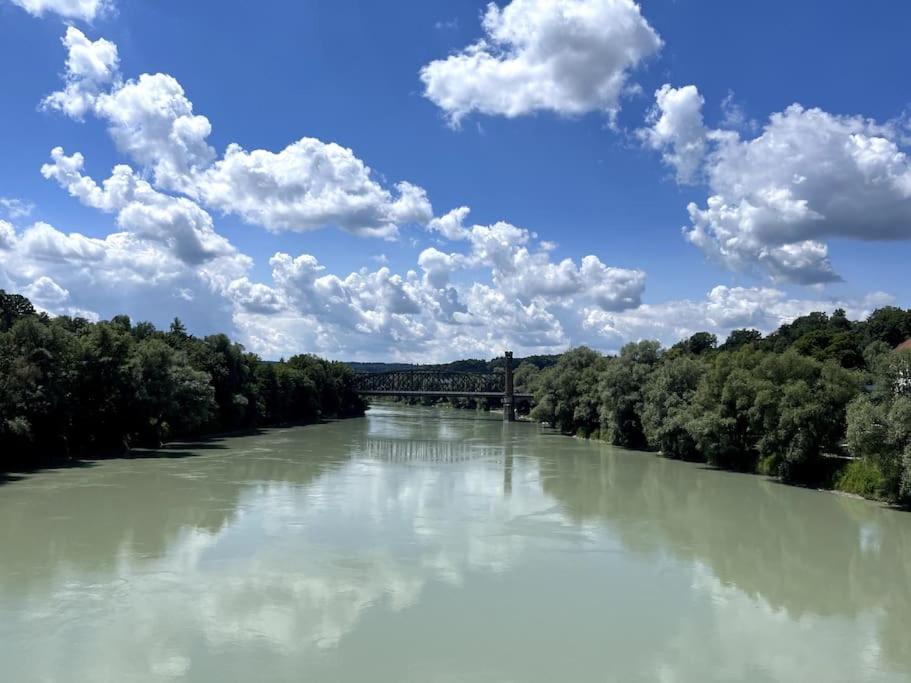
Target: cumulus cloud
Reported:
point(86, 10)
point(564, 56)
point(152, 121)
point(176, 222)
point(527, 302)
point(90, 67)
point(118, 273)
point(527, 273)
point(451, 225)
point(807, 177)
point(722, 310)
point(7, 234)
point(307, 185)
point(150, 118)
point(677, 130)
point(44, 291)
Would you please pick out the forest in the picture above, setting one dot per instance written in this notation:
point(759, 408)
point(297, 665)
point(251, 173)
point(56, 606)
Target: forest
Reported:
point(822, 401)
point(71, 388)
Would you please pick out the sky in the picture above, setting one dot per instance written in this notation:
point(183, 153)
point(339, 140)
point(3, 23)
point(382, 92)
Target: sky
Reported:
point(440, 179)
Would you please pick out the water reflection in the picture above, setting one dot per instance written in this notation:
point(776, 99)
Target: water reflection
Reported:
point(805, 553)
point(414, 546)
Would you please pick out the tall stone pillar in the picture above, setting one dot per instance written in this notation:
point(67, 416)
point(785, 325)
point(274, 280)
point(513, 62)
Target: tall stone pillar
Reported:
point(509, 401)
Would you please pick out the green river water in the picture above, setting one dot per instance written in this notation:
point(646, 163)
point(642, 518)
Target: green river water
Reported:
point(434, 545)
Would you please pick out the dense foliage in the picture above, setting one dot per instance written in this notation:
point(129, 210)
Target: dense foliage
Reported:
point(796, 404)
point(70, 387)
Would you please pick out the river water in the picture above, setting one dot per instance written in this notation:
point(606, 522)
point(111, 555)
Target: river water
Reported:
point(431, 545)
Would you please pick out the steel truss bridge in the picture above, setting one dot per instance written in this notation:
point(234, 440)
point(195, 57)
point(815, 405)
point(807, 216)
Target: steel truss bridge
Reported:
point(445, 384)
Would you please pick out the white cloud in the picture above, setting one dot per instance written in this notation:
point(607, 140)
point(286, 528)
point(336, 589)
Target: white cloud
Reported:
point(90, 67)
point(807, 177)
point(451, 225)
point(120, 273)
point(7, 235)
point(811, 174)
point(438, 266)
point(16, 208)
point(733, 115)
point(176, 222)
point(526, 274)
point(87, 10)
point(152, 121)
point(723, 309)
point(44, 291)
point(308, 185)
point(565, 56)
point(677, 130)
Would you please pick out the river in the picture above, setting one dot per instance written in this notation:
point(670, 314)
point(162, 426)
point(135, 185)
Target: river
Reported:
point(430, 545)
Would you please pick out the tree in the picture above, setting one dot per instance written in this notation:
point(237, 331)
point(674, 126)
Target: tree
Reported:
point(718, 422)
point(889, 324)
point(799, 413)
point(621, 387)
point(171, 397)
point(177, 333)
point(667, 396)
point(738, 338)
point(698, 344)
point(568, 392)
point(879, 426)
point(13, 307)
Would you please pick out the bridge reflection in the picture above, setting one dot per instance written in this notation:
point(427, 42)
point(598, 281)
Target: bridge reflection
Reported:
point(403, 451)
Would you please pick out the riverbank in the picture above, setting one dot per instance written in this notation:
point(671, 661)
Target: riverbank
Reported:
point(849, 477)
point(749, 408)
point(71, 388)
point(11, 468)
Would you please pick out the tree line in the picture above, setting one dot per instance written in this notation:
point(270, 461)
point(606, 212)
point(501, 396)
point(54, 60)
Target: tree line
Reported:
point(70, 387)
point(822, 401)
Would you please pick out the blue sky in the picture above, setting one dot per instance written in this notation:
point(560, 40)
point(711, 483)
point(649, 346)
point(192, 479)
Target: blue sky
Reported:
point(550, 131)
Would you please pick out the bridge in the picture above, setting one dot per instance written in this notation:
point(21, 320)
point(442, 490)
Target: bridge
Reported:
point(446, 384)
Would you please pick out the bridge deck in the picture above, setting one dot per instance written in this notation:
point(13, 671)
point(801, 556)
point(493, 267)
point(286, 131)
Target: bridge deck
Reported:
point(452, 394)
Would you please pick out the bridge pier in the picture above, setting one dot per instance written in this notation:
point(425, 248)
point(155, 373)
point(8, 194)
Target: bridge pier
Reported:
point(509, 395)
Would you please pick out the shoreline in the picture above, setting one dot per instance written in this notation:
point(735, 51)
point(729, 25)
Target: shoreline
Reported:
point(822, 489)
point(15, 469)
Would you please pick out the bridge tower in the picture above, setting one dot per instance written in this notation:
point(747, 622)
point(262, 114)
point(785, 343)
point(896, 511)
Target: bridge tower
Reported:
point(509, 395)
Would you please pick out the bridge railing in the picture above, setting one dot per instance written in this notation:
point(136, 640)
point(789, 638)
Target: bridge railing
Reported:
point(442, 383)
point(431, 382)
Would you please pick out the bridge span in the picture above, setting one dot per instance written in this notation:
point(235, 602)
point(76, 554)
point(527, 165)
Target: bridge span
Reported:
point(446, 384)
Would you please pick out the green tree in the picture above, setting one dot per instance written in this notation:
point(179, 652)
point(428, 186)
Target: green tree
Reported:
point(171, 397)
point(719, 422)
point(889, 324)
point(667, 397)
point(567, 394)
point(13, 307)
point(879, 425)
point(698, 344)
point(621, 398)
point(738, 338)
